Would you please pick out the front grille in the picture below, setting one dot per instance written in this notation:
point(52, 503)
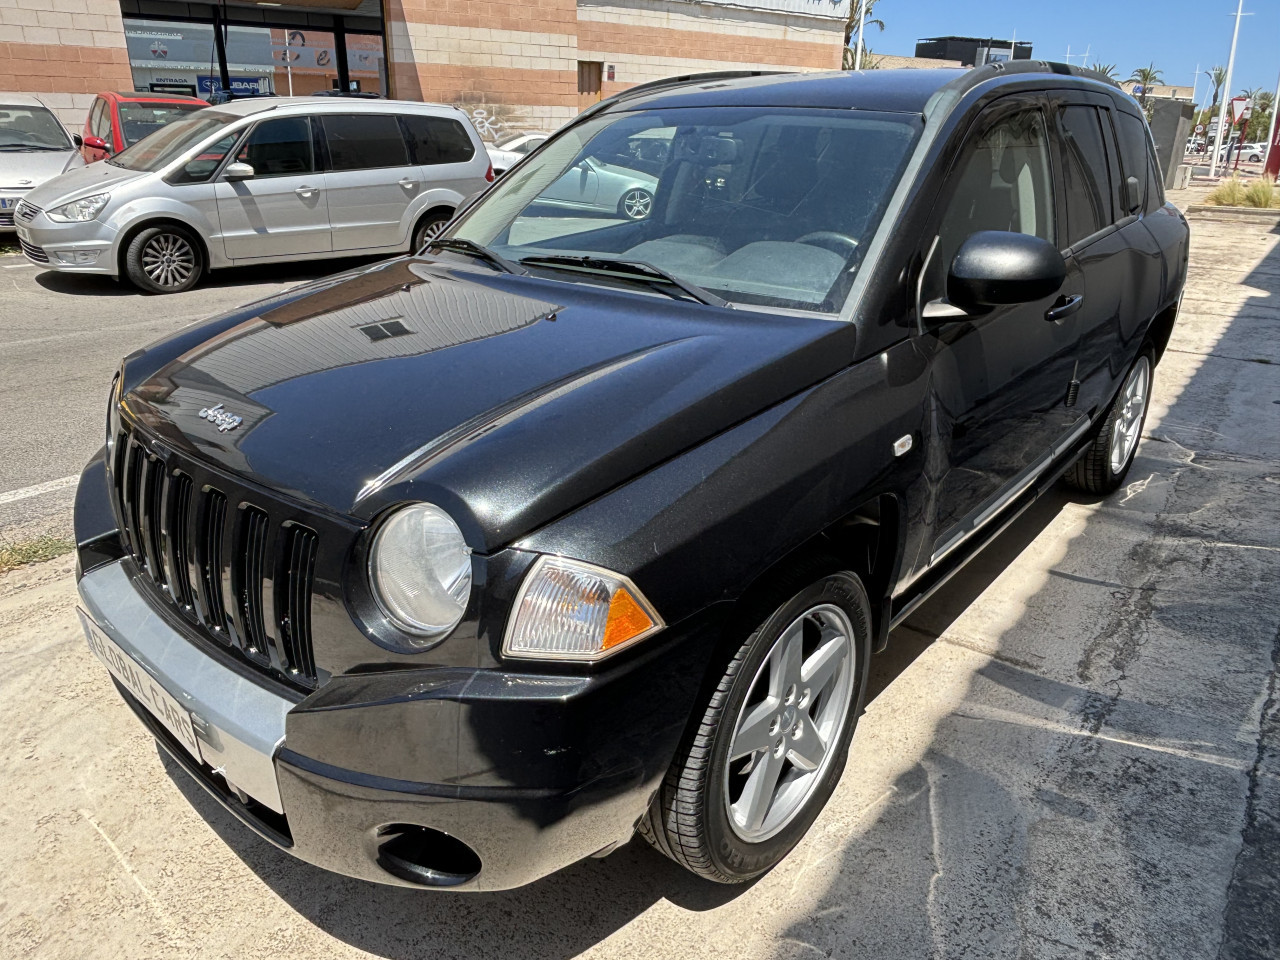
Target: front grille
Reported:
point(244, 579)
point(27, 211)
point(33, 252)
point(6, 218)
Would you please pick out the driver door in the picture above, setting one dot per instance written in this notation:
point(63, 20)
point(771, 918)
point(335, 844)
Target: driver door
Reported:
point(579, 186)
point(999, 379)
point(283, 210)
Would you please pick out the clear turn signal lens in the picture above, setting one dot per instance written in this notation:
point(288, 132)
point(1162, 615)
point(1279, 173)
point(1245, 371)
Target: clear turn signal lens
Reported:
point(569, 610)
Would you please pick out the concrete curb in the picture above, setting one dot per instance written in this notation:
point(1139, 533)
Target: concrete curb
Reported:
point(1206, 211)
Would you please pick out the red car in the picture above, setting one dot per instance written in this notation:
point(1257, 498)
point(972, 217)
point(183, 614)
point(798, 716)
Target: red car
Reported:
point(118, 120)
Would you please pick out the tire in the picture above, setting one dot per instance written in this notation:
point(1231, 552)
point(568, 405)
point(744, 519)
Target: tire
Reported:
point(429, 227)
point(164, 259)
point(1103, 466)
point(636, 204)
point(702, 816)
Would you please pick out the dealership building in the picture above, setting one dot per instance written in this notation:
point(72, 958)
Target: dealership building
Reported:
point(527, 64)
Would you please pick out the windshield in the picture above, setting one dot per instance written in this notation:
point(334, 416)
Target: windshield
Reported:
point(138, 120)
point(757, 205)
point(30, 128)
point(171, 141)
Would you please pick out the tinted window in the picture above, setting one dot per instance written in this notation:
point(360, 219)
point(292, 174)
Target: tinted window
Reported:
point(360, 141)
point(1085, 173)
point(437, 140)
point(1002, 183)
point(1132, 134)
point(201, 168)
point(1155, 188)
point(279, 148)
point(99, 120)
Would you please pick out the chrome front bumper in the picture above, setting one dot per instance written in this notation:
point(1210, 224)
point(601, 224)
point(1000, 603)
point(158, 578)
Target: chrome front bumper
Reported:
point(239, 724)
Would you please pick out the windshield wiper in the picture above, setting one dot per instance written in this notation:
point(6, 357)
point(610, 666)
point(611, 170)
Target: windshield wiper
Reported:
point(26, 147)
point(462, 245)
point(631, 269)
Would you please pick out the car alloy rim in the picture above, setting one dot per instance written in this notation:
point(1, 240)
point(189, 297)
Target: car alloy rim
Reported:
point(434, 229)
point(168, 260)
point(786, 733)
point(636, 204)
point(1124, 436)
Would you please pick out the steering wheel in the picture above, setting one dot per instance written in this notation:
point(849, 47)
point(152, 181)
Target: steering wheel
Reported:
point(830, 240)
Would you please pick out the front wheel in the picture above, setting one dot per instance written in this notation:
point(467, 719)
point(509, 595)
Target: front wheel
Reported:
point(164, 259)
point(1105, 463)
point(636, 204)
point(770, 745)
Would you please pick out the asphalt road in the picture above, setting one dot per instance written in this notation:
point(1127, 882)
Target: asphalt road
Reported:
point(61, 340)
point(1073, 750)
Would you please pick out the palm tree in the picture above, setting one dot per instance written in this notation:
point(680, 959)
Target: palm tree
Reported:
point(1146, 77)
point(851, 27)
point(1108, 70)
point(1217, 77)
point(1261, 117)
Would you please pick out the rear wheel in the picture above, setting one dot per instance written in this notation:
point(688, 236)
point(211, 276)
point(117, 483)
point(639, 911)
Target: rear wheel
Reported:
point(430, 227)
point(636, 204)
point(770, 744)
point(1104, 465)
point(164, 259)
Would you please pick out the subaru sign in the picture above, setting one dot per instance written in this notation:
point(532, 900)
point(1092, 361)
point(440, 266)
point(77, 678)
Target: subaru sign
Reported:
point(240, 86)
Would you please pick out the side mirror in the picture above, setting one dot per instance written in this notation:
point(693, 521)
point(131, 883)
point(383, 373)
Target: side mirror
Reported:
point(995, 268)
point(1132, 194)
point(238, 171)
point(96, 143)
point(77, 140)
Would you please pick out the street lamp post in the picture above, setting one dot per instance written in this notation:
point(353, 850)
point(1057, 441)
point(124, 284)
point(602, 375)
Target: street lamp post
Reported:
point(862, 26)
point(1222, 110)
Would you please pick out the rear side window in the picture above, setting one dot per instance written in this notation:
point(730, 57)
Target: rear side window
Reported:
point(364, 141)
point(1155, 189)
point(1132, 134)
point(279, 148)
point(1085, 172)
point(436, 140)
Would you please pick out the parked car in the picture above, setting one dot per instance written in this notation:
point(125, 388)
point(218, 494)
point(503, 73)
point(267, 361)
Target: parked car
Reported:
point(1252, 152)
point(119, 120)
point(450, 571)
point(258, 181)
point(509, 151)
point(34, 147)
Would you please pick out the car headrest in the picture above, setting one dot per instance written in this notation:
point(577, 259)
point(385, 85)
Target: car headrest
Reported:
point(710, 150)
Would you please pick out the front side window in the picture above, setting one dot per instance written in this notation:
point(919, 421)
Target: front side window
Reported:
point(1085, 173)
point(201, 167)
point(1002, 182)
point(435, 140)
point(25, 128)
point(172, 141)
point(758, 205)
point(364, 141)
point(137, 120)
point(279, 148)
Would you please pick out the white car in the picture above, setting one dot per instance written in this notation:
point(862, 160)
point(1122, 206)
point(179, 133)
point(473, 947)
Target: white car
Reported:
point(506, 153)
point(34, 147)
point(1250, 152)
point(258, 181)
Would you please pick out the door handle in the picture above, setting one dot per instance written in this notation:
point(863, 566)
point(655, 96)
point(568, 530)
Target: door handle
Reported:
point(1064, 307)
point(409, 184)
point(305, 191)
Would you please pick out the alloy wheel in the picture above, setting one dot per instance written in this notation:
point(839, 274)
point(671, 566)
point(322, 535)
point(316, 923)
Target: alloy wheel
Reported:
point(786, 733)
point(168, 260)
point(433, 229)
point(637, 204)
point(1124, 435)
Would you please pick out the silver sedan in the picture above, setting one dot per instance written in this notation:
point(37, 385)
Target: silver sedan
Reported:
point(34, 148)
point(595, 186)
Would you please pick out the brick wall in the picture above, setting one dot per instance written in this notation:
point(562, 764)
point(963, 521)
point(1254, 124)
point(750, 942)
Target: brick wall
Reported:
point(63, 51)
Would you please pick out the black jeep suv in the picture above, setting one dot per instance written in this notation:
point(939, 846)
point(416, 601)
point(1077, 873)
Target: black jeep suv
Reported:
point(455, 569)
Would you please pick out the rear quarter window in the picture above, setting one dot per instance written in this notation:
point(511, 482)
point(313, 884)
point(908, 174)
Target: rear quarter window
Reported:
point(1134, 160)
point(434, 140)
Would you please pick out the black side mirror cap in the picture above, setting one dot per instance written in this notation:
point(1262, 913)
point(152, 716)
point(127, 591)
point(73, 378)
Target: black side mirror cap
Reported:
point(996, 268)
point(77, 140)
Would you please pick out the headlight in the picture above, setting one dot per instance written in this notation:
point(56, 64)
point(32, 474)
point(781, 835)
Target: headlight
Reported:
point(420, 570)
point(570, 610)
point(78, 211)
point(113, 413)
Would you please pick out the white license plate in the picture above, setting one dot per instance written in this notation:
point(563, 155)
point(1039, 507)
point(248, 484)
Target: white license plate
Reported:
point(8, 203)
point(172, 715)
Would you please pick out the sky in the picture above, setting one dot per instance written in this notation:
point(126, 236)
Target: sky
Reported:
point(1174, 34)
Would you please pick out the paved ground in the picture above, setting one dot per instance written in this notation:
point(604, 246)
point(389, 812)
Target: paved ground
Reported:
point(1072, 751)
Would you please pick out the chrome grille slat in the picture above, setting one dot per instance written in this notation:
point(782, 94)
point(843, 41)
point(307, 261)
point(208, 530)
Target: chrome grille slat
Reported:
point(33, 252)
point(26, 212)
point(231, 570)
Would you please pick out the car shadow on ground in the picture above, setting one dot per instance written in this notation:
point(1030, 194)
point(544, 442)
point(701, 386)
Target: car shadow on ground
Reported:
point(568, 912)
point(95, 285)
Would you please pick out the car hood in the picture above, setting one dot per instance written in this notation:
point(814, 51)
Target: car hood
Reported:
point(79, 182)
point(35, 167)
point(506, 400)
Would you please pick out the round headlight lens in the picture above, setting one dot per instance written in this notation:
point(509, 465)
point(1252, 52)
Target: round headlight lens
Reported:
point(420, 570)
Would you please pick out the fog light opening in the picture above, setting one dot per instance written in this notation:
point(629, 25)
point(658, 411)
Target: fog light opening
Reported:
point(425, 856)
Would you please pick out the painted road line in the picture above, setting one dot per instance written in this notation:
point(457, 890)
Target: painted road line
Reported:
point(39, 489)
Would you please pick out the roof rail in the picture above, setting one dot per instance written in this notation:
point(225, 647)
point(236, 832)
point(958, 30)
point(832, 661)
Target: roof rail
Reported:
point(1037, 66)
point(652, 85)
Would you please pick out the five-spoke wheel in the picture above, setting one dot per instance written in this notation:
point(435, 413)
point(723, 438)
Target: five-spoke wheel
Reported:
point(636, 204)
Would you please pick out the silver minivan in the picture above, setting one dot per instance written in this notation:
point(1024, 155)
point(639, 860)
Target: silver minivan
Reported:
point(258, 181)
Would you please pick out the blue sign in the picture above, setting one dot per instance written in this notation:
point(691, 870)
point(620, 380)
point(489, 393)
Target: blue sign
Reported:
point(240, 86)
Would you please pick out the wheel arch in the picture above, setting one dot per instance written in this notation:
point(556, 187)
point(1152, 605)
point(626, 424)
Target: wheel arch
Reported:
point(128, 235)
point(1161, 329)
point(427, 214)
